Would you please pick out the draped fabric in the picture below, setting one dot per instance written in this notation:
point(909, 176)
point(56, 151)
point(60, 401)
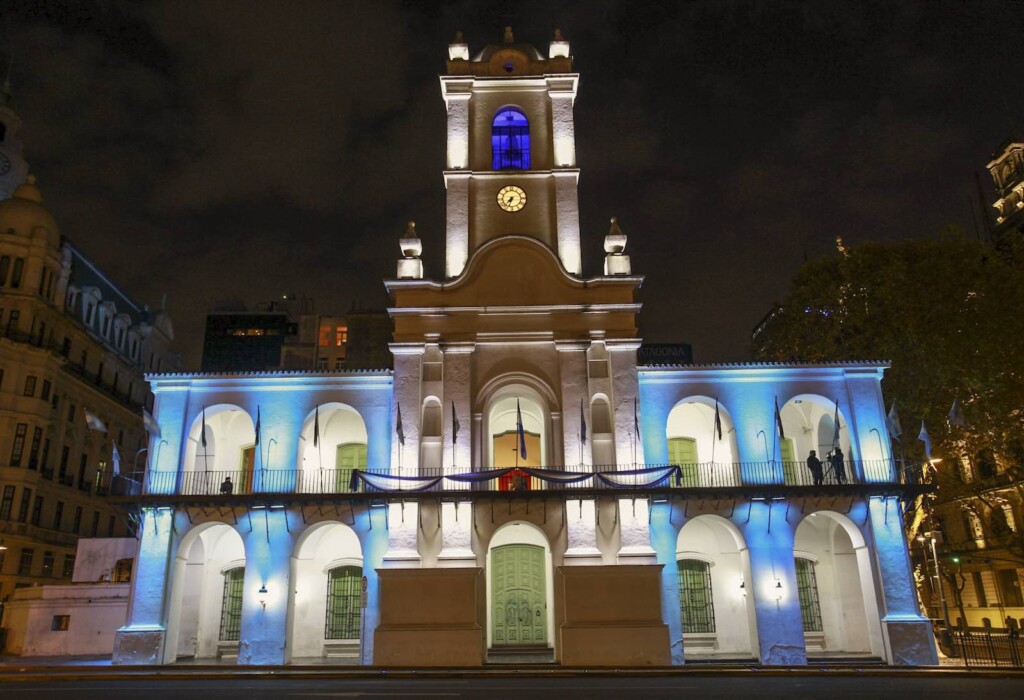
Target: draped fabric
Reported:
point(634, 478)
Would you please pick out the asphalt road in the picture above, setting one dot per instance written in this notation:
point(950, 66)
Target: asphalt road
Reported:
point(710, 687)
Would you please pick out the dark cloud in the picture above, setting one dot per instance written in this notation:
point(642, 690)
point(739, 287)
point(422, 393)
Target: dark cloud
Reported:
point(243, 149)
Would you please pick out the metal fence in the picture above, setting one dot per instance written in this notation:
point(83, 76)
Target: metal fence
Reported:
point(335, 481)
point(989, 649)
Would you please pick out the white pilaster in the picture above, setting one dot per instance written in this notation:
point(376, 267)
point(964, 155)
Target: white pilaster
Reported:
point(581, 524)
point(403, 525)
point(456, 222)
point(456, 536)
point(635, 532)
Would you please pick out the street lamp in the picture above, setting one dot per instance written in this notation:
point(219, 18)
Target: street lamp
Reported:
point(935, 537)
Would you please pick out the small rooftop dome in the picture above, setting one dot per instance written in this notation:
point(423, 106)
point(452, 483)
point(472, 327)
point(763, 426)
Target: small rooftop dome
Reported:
point(24, 212)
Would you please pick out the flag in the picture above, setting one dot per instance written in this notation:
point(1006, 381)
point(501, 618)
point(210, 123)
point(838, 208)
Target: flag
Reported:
point(835, 422)
point(93, 422)
point(923, 437)
point(778, 419)
point(519, 431)
point(202, 429)
point(718, 420)
point(636, 421)
point(956, 415)
point(257, 442)
point(455, 426)
point(399, 431)
point(115, 458)
point(150, 422)
point(892, 421)
point(583, 424)
point(316, 426)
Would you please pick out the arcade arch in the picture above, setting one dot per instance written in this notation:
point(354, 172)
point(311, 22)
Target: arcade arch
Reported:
point(227, 451)
point(693, 443)
point(325, 618)
point(341, 447)
point(713, 567)
point(809, 423)
point(835, 587)
point(205, 611)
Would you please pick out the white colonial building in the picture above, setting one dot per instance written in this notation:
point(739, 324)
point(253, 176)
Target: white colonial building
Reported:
point(518, 487)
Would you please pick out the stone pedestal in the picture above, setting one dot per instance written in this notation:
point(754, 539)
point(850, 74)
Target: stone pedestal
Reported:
point(612, 616)
point(138, 646)
point(910, 642)
point(430, 617)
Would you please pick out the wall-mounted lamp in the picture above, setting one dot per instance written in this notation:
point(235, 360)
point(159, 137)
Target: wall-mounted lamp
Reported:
point(778, 590)
point(263, 596)
point(743, 588)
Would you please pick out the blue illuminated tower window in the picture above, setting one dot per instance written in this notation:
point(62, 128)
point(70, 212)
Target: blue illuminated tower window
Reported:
point(510, 141)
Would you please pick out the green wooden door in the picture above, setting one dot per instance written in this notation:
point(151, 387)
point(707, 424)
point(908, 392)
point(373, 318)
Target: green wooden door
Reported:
point(789, 462)
point(518, 601)
point(683, 451)
point(351, 456)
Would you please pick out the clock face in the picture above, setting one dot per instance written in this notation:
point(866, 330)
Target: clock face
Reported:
point(511, 198)
point(5, 164)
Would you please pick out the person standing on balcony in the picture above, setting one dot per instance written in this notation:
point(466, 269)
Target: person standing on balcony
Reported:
point(814, 465)
point(838, 466)
point(226, 486)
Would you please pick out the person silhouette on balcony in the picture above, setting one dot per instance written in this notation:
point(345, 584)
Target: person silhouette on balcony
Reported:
point(838, 466)
point(814, 465)
point(227, 487)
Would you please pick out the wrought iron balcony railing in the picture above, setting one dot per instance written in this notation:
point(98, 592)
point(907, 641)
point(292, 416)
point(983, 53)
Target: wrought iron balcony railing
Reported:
point(340, 481)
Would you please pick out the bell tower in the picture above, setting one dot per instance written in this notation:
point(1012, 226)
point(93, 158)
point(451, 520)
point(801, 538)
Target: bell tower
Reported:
point(511, 163)
point(1007, 170)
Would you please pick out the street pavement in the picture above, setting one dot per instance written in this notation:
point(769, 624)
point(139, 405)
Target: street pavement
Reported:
point(555, 684)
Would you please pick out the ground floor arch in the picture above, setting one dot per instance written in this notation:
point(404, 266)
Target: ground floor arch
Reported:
point(205, 606)
point(713, 568)
point(325, 615)
point(519, 588)
point(835, 586)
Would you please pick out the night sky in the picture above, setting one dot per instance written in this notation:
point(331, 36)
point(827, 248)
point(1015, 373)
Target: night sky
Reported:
point(243, 150)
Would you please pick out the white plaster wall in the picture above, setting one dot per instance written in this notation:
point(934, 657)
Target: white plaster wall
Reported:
point(96, 557)
point(96, 611)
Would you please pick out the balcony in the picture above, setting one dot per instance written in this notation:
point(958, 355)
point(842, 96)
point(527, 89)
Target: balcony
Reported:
point(66, 479)
point(713, 479)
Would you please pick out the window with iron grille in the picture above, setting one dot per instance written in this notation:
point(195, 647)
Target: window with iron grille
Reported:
point(7, 503)
point(695, 601)
point(344, 598)
point(510, 141)
point(37, 510)
point(26, 501)
point(18, 446)
point(25, 563)
point(33, 450)
point(47, 564)
point(807, 590)
point(231, 605)
point(68, 568)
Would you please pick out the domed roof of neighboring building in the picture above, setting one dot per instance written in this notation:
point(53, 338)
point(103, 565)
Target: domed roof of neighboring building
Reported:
point(24, 212)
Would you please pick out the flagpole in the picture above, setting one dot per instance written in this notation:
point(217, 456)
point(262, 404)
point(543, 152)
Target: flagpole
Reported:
point(579, 442)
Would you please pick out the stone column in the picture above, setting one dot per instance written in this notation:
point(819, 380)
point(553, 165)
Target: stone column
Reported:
point(268, 551)
point(141, 640)
point(664, 538)
point(910, 641)
point(772, 584)
point(581, 526)
point(406, 396)
point(572, 368)
point(456, 535)
point(635, 532)
point(625, 390)
point(457, 380)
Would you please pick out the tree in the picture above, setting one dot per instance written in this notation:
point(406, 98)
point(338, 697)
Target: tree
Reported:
point(948, 312)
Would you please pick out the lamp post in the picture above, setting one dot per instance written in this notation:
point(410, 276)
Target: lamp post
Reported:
point(934, 537)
